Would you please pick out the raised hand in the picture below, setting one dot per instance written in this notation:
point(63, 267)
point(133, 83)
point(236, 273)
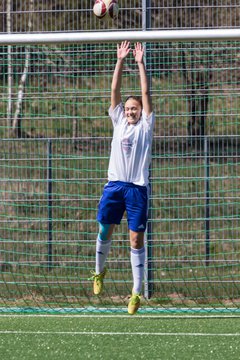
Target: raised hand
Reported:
point(138, 52)
point(123, 49)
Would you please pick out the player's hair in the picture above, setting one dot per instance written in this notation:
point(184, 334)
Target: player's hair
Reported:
point(137, 98)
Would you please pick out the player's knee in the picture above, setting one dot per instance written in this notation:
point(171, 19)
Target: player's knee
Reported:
point(103, 231)
point(136, 239)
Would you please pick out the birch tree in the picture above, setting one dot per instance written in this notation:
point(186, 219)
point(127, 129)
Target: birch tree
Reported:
point(17, 119)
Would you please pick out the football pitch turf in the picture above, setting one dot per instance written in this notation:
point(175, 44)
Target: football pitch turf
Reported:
point(119, 337)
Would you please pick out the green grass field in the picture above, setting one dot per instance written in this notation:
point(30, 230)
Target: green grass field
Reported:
point(119, 337)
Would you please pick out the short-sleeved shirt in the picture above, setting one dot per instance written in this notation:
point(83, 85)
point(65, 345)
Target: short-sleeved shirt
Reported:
point(131, 147)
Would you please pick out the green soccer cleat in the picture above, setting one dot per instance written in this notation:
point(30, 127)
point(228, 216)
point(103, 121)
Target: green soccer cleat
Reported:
point(134, 304)
point(98, 281)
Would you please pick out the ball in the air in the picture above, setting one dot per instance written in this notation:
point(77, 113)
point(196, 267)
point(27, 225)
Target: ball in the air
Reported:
point(105, 8)
point(99, 9)
point(112, 8)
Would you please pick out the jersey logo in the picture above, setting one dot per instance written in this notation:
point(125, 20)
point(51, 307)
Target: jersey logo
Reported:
point(127, 145)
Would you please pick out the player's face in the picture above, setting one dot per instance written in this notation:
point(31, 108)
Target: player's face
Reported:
point(133, 111)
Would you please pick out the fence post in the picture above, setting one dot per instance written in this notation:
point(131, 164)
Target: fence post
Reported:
point(49, 196)
point(207, 195)
point(10, 70)
point(148, 278)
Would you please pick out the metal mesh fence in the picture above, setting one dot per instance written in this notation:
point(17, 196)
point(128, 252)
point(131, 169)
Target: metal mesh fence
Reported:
point(74, 15)
point(55, 143)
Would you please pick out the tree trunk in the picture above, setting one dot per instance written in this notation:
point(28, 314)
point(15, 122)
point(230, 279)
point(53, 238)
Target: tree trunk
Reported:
point(17, 120)
point(197, 82)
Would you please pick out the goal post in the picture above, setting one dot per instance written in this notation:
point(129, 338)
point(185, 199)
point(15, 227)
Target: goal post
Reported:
point(54, 158)
point(117, 36)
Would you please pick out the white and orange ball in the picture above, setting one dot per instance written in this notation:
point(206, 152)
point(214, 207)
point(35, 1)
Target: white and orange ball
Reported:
point(105, 9)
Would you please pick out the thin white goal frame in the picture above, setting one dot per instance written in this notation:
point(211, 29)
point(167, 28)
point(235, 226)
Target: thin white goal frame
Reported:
point(117, 36)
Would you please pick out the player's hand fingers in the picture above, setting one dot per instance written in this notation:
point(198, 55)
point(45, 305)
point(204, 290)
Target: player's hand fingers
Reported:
point(127, 44)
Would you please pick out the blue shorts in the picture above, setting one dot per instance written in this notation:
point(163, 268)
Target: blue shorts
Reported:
point(119, 197)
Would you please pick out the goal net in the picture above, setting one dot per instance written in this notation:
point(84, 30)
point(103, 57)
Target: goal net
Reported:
point(55, 136)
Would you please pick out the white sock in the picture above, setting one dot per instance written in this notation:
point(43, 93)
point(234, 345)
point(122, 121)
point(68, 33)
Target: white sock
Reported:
point(137, 262)
point(102, 250)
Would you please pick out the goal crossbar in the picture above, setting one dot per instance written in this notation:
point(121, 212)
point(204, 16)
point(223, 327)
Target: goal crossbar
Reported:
point(117, 36)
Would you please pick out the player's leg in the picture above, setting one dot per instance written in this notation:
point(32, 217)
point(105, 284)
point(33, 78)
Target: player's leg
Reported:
point(102, 249)
point(137, 259)
point(137, 263)
point(103, 245)
point(110, 211)
point(137, 208)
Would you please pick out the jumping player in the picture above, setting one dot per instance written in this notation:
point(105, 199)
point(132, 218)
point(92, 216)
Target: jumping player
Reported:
point(128, 174)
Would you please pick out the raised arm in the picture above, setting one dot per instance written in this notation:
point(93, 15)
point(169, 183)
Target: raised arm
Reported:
point(138, 53)
point(122, 52)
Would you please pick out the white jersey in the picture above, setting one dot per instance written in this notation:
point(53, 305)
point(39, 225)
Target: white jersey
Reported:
point(131, 148)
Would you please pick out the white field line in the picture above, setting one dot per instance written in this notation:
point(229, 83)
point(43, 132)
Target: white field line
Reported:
point(95, 333)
